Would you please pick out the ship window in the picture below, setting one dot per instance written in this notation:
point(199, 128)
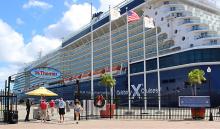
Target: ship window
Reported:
point(187, 20)
point(172, 8)
point(175, 31)
point(204, 34)
point(213, 42)
point(169, 81)
point(165, 81)
point(191, 45)
point(196, 27)
point(179, 14)
point(168, 25)
point(156, 13)
point(137, 67)
point(183, 38)
point(205, 55)
point(172, 80)
point(161, 18)
point(166, 2)
point(151, 64)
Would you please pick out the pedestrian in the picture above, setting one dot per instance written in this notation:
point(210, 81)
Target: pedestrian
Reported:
point(43, 107)
point(62, 106)
point(52, 106)
point(28, 108)
point(77, 109)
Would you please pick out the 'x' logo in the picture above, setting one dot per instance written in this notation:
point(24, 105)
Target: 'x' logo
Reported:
point(136, 90)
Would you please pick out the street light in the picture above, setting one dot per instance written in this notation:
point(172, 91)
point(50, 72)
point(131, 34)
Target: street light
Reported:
point(209, 70)
point(78, 89)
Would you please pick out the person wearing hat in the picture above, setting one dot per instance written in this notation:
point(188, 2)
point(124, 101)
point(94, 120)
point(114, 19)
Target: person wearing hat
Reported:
point(77, 109)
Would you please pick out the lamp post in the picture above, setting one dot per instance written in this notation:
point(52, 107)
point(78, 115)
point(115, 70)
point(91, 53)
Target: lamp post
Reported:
point(78, 89)
point(209, 70)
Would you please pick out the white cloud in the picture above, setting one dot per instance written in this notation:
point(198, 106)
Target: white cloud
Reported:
point(41, 43)
point(104, 4)
point(11, 44)
point(218, 4)
point(76, 17)
point(19, 21)
point(68, 3)
point(14, 52)
point(38, 4)
point(5, 72)
point(33, 32)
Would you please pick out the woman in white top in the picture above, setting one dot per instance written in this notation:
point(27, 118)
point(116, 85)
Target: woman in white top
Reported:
point(77, 109)
point(62, 106)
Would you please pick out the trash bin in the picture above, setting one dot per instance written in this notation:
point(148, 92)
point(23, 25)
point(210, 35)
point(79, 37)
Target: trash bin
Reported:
point(36, 114)
point(11, 117)
point(5, 114)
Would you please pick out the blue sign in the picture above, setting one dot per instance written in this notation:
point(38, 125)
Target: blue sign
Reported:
point(45, 72)
point(194, 101)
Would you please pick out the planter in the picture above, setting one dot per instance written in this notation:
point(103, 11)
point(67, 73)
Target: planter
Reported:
point(198, 113)
point(109, 112)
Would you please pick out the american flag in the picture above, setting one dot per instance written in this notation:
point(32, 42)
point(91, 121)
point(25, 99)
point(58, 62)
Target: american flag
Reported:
point(132, 16)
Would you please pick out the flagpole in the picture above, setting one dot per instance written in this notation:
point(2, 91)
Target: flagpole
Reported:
point(92, 94)
point(145, 81)
point(128, 56)
point(110, 47)
point(158, 70)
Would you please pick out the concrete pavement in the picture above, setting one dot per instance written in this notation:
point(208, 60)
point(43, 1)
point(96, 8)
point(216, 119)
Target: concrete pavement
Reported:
point(106, 123)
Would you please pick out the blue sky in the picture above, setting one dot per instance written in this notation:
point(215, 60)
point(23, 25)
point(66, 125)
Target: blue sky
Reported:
point(30, 26)
point(32, 20)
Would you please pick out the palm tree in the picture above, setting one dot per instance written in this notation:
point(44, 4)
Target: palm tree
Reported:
point(195, 78)
point(108, 81)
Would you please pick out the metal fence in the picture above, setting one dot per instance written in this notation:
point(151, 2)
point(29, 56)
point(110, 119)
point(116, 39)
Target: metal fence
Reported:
point(117, 110)
point(8, 107)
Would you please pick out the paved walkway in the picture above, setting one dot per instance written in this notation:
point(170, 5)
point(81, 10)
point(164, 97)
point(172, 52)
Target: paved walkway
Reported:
point(115, 124)
point(106, 123)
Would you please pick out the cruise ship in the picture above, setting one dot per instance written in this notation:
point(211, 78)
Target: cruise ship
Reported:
point(186, 35)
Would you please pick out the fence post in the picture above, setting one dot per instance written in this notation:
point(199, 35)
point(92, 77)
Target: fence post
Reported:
point(110, 108)
point(116, 107)
point(169, 99)
point(86, 110)
point(169, 113)
point(141, 112)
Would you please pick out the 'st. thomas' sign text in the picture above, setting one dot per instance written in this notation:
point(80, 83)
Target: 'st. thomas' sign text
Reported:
point(45, 72)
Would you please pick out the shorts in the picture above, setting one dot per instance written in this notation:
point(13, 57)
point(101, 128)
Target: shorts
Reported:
point(43, 114)
point(61, 111)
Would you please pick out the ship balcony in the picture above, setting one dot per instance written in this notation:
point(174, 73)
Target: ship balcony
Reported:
point(190, 22)
point(172, 7)
point(178, 14)
point(198, 29)
point(211, 41)
point(206, 35)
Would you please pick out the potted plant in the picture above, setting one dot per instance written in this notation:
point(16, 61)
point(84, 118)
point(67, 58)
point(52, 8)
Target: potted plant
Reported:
point(196, 78)
point(108, 81)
